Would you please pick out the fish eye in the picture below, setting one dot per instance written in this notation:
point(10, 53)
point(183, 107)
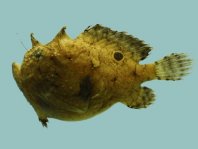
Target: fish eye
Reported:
point(118, 55)
point(38, 54)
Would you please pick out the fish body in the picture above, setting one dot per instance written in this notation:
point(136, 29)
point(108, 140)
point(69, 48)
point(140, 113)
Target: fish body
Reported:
point(76, 79)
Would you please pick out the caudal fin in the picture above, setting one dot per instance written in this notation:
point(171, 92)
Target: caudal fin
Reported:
point(173, 67)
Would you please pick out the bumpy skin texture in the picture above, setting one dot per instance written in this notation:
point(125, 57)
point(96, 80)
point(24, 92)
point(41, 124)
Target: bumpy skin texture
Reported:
point(77, 79)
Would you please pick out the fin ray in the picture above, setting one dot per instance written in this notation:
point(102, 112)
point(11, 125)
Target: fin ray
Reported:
point(173, 67)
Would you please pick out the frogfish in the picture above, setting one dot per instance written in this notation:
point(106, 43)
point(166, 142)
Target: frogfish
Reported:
point(76, 79)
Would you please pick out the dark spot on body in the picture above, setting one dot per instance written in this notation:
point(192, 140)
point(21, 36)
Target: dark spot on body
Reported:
point(55, 60)
point(69, 57)
point(114, 79)
point(134, 74)
point(85, 87)
point(158, 78)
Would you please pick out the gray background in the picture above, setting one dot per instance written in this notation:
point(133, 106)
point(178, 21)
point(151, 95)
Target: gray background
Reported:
point(168, 26)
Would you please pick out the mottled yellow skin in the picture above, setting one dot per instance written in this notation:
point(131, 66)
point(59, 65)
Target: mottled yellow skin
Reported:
point(50, 78)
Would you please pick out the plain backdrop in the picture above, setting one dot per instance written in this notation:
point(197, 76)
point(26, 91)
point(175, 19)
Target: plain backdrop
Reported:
point(168, 26)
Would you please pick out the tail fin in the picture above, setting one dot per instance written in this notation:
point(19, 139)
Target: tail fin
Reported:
point(173, 67)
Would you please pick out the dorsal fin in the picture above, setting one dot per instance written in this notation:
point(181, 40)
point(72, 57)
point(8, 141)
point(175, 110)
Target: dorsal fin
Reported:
point(61, 35)
point(103, 36)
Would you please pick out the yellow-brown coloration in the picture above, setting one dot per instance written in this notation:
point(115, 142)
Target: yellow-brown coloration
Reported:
point(77, 79)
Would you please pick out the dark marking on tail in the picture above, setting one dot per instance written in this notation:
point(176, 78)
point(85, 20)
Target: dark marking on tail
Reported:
point(173, 67)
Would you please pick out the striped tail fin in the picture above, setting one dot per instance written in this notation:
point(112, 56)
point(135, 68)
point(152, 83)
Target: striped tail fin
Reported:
point(173, 67)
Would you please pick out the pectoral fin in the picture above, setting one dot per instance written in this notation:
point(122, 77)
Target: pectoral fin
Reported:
point(144, 98)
